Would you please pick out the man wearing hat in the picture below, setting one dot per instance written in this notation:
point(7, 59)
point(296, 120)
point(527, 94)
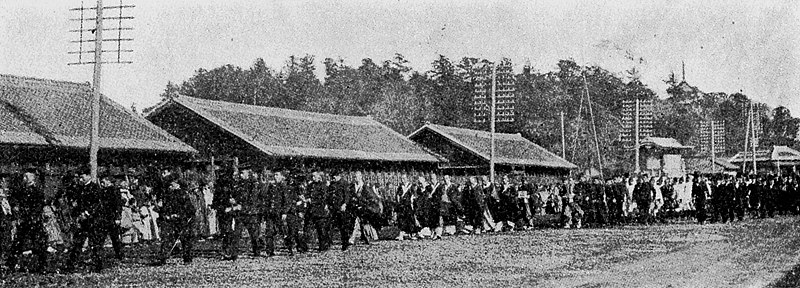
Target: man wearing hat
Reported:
point(28, 203)
point(318, 211)
point(178, 214)
point(700, 194)
point(99, 211)
point(340, 193)
point(289, 207)
point(251, 202)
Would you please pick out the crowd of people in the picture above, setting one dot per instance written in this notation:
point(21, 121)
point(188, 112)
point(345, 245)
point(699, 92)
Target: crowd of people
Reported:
point(177, 208)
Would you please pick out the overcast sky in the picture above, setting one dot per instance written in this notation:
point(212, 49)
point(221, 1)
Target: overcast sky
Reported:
point(727, 46)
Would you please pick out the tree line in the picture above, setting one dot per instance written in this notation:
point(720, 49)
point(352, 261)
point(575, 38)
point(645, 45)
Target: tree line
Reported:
point(404, 99)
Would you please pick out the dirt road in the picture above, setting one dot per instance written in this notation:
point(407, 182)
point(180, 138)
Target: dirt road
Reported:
point(754, 253)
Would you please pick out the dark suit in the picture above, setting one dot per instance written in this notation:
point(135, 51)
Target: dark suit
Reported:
point(288, 198)
point(407, 220)
point(699, 192)
point(340, 193)
point(30, 228)
point(251, 200)
point(178, 216)
point(97, 209)
point(318, 214)
point(273, 225)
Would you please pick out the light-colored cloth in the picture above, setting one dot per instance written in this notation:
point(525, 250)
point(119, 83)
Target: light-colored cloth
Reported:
point(5, 207)
point(154, 223)
point(146, 229)
point(51, 226)
point(211, 214)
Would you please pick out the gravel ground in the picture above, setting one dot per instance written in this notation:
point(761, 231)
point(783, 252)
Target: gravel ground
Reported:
point(753, 253)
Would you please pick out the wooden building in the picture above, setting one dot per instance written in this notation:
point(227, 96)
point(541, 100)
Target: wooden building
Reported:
point(663, 156)
point(776, 159)
point(467, 153)
point(46, 124)
point(703, 166)
point(276, 138)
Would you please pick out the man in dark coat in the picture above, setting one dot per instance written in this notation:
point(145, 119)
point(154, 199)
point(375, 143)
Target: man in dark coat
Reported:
point(474, 205)
point(726, 204)
point(700, 195)
point(99, 210)
point(318, 211)
point(407, 204)
point(6, 218)
point(339, 196)
point(27, 203)
point(768, 196)
point(177, 213)
point(224, 204)
point(740, 197)
point(422, 191)
point(270, 188)
point(571, 211)
point(617, 199)
point(290, 204)
point(644, 194)
point(251, 202)
point(507, 195)
point(436, 207)
point(455, 207)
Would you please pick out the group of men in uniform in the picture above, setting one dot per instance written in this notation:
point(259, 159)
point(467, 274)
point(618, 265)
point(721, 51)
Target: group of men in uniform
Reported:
point(270, 203)
point(295, 207)
point(720, 198)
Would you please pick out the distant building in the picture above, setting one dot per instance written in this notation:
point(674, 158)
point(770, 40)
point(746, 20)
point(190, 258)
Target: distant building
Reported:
point(505, 93)
point(663, 156)
point(775, 159)
point(703, 166)
point(467, 152)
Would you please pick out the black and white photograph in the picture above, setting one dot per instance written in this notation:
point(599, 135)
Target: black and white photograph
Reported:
point(399, 143)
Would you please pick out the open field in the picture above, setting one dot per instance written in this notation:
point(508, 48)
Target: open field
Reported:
point(754, 253)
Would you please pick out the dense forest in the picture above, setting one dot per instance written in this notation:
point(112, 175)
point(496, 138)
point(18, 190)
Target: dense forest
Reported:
point(404, 99)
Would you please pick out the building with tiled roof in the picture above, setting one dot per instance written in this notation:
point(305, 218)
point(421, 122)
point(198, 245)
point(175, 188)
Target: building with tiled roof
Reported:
point(468, 151)
point(275, 137)
point(56, 114)
point(772, 159)
point(45, 124)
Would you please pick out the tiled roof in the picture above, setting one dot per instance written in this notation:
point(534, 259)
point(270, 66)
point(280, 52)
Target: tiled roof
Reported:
point(42, 112)
point(510, 149)
point(703, 165)
point(776, 153)
point(662, 142)
point(291, 133)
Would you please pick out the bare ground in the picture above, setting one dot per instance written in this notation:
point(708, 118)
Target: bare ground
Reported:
point(753, 253)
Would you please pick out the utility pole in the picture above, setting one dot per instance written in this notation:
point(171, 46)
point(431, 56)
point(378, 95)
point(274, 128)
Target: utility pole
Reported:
point(746, 142)
point(636, 147)
point(563, 138)
point(753, 133)
point(594, 127)
point(98, 68)
point(492, 124)
point(98, 40)
point(713, 151)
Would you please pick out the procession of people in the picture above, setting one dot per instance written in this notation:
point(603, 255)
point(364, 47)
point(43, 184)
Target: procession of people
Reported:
point(173, 210)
